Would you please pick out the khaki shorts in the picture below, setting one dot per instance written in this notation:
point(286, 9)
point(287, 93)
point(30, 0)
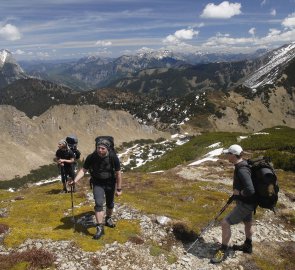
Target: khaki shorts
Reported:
point(241, 212)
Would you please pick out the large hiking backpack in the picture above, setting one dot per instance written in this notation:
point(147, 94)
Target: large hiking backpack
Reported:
point(265, 182)
point(72, 141)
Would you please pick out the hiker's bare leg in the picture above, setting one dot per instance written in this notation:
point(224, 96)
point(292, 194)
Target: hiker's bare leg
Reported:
point(248, 230)
point(226, 232)
point(99, 217)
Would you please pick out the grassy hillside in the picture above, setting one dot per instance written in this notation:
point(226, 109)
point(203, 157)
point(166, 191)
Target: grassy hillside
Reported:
point(277, 143)
point(42, 212)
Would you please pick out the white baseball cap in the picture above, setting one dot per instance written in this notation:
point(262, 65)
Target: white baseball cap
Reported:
point(234, 149)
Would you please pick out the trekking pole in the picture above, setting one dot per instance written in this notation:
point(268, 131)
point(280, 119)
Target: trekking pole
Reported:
point(211, 223)
point(72, 199)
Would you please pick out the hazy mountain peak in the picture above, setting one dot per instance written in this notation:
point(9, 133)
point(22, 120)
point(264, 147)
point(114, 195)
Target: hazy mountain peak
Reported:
point(10, 70)
point(5, 56)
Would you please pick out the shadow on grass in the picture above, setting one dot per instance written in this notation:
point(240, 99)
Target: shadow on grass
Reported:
point(79, 223)
point(192, 242)
point(54, 191)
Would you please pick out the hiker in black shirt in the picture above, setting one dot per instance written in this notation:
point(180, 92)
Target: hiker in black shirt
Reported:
point(106, 179)
point(243, 191)
point(65, 159)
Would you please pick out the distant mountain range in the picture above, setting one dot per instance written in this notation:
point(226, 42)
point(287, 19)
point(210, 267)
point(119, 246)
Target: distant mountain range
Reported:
point(165, 90)
point(96, 72)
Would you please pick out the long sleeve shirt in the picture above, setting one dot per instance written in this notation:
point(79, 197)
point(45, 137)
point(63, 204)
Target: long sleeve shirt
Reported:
point(243, 182)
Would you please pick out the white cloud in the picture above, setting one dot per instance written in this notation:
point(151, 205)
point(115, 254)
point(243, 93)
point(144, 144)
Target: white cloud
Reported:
point(171, 39)
point(9, 32)
point(252, 31)
point(273, 12)
point(186, 34)
point(222, 42)
point(180, 35)
point(273, 32)
point(263, 2)
point(226, 40)
point(145, 50)
point(289, 21)
point(43, 55)
point(224, 10)
point(103, 43)
point(276, 36)
point(19, 52)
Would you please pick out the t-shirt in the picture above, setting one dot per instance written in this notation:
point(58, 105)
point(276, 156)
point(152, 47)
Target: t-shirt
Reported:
point(65, 154)
point(102, 168)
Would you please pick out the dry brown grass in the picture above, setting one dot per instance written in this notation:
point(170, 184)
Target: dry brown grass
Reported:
point(32, 259)
point(3, 228)
point(271, 256)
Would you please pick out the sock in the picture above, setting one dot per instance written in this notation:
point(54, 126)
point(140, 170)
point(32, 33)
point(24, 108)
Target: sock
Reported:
point(248, 241)
point(223, 247)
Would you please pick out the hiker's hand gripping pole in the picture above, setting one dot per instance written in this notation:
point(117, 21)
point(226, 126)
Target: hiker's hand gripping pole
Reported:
point(212, 222)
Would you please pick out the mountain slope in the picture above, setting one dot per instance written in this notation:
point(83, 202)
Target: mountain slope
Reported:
point(181, 81)
point(270, 71)
point(34, 96)
point(29, 143)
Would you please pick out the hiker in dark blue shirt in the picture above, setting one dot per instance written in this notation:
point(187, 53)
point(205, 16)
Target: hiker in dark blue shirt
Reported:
point(104, 167)
point(65, 159)
point(244, 194)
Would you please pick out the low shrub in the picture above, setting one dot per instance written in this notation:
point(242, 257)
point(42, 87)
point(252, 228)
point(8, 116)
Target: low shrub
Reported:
point(3, 228)
point(29, 259)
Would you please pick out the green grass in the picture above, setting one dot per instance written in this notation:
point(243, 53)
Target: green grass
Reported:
point(45, 213)
point(173, 197)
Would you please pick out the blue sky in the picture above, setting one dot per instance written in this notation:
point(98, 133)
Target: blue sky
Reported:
point(53, 29)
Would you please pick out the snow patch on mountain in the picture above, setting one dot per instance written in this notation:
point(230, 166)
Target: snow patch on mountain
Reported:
point(269, 72)
point(3, 57)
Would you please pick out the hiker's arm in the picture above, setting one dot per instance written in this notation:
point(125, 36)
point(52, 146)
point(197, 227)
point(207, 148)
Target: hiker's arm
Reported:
point(72, 160)
point(79, 175)
point(118, 183)
point(248, 188)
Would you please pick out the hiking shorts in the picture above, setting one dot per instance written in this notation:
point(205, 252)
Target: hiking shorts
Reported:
point(101, 193)
point(241, 212)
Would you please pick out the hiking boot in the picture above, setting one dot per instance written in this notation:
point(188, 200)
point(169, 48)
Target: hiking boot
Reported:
point(246, 247)
point(99, 232)
point(219, 256)
point(109, 222)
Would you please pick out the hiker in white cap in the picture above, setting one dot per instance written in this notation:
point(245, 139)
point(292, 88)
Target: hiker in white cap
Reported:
point(243, 191)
